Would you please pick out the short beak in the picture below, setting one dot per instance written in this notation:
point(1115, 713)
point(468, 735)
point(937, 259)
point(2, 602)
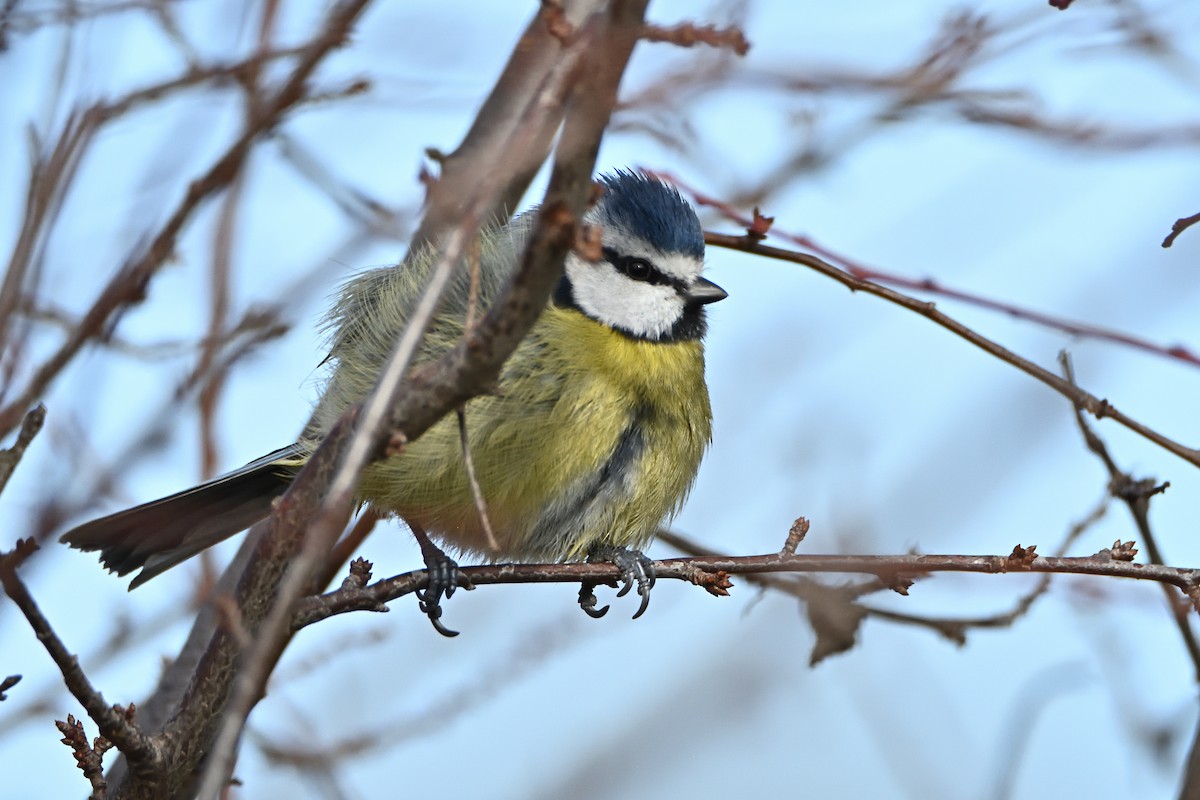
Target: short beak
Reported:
point(703, 292)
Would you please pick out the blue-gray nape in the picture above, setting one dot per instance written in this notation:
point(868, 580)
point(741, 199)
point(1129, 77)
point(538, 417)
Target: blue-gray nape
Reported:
point(651, 210)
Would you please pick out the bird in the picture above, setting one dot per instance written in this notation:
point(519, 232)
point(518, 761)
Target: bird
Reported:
point(591, 439)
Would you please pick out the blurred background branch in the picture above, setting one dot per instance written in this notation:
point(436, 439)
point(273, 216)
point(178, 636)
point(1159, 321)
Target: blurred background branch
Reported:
point(1018, 160)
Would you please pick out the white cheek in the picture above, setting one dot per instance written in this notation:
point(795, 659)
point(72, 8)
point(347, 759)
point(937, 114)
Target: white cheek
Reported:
point(642, 309)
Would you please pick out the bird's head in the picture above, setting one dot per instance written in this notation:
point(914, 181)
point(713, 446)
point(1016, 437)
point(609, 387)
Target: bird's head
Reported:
point(647, 283)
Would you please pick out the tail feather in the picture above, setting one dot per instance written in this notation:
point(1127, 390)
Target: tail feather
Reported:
point(158, 535)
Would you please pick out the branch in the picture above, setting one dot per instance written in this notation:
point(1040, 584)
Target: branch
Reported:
point(1093, 405)
point(1179, 227)
point(491, 145)
point(143, 752)
point(6, 684)
point(391, 409)
point(1136, 495)
point(200, 663)
point(690, 35)
point(759, 225)
point(304, 527)
point(836, 612)
point(10, 457)
point(712, 572)
point(128, 286)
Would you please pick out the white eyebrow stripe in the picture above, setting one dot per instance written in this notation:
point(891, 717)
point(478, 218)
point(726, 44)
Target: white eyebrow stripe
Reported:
point(680, 266)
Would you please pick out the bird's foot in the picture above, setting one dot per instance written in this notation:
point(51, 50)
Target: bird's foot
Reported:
point(444, 578)
point(636, 569)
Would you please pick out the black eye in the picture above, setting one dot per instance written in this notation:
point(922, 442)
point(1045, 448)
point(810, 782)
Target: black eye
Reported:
point(637, 268)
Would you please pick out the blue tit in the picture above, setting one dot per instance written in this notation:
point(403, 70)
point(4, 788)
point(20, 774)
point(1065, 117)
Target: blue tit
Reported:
point(592, 438)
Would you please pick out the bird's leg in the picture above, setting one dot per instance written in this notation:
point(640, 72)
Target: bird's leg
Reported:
point(636, 568)
point(444, 578)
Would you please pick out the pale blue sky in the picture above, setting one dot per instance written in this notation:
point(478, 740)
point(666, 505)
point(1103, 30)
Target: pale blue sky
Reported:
point(884, 430)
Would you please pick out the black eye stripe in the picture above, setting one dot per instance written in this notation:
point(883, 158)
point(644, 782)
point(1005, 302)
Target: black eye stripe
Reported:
point(640, 269)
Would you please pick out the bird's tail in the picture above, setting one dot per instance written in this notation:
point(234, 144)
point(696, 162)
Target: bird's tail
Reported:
point(158, 535)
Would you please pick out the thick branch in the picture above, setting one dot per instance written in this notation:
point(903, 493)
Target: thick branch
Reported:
point(413, 405)
point(500, 139)
point(390, 407)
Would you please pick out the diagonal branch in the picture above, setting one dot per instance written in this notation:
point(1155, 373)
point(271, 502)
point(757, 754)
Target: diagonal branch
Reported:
point(1093, 405)
point(144, 752)
point(603, 44)
point(760, 225)
point(10, 457)
point(128, 286)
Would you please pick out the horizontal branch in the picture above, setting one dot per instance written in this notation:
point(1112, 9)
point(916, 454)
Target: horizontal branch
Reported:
point(712, 574)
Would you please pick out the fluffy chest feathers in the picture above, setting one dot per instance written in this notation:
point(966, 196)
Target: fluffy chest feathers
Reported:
point(657, 373)
point(592, 438)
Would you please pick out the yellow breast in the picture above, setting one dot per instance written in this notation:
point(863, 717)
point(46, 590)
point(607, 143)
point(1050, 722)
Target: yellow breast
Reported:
point(592, 438)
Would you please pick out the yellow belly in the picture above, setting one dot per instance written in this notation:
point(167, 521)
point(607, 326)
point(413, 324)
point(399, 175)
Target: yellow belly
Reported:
point(592, 438)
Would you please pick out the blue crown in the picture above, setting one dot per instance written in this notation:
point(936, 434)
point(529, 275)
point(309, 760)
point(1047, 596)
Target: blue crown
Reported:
point(651, 210)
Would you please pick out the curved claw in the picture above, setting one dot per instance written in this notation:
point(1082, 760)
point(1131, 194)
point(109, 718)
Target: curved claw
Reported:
point(636, 569)
point(587, 601)
point(434, 612)
point(444, 579)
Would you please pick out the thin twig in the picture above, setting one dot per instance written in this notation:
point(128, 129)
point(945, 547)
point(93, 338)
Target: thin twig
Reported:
point(1179, 227)
point(88, 757)
point(1136, 496)
point(1108, 563)
point(760, 226)
point(122, 638)
point(144, 752)
point(952, 628)
point(481, 509)
point(50, 176)
point(6, 684)
point(1093, 405)
point(128, 286)
point(10, 457)
point(689, 35)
